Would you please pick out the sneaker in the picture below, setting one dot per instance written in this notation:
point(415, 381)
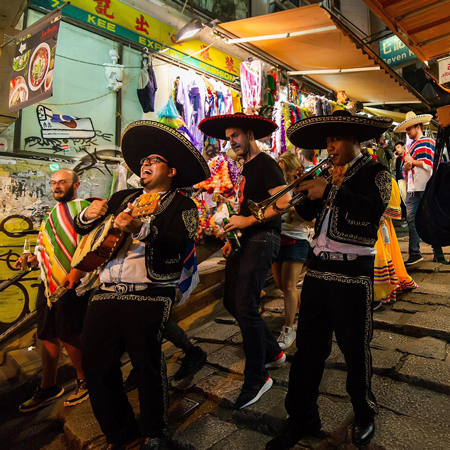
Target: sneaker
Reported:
point(192, 362)
point(276, 362)
point(248, 396)
point(41, 398)
point(413, 260)
point(80, 394)
point(286, 338)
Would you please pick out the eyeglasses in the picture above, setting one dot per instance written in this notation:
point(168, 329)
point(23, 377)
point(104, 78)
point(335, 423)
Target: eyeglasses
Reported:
point(60, 182)
point(152, 160)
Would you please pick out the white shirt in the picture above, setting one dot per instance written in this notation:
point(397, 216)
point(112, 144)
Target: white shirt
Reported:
point(325, 244)
point(128, 266)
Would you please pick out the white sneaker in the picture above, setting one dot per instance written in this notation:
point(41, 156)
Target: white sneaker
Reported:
point(277, 362)
point(286, 338)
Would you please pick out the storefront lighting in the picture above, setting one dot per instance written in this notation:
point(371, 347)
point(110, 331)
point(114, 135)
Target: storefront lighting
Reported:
point(280, 36)
point(333, 71)
point(189, 30)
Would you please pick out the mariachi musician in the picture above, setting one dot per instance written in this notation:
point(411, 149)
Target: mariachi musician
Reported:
point(138, 286)
point(337, 291)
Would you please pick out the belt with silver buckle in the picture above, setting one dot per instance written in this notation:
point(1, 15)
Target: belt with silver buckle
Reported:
point(123, 288)
point(336, 256)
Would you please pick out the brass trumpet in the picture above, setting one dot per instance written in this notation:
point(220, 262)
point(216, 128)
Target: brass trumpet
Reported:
point(258, 209)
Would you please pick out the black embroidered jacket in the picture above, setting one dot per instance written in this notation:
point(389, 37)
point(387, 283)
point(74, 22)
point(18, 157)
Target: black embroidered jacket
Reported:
point(174, 225)
point(355, 207)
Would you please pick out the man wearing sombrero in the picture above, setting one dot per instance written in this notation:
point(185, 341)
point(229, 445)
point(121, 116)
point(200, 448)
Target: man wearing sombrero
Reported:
point(138, 286)
point(337, 291)
point(417, 170)
point(246, 269)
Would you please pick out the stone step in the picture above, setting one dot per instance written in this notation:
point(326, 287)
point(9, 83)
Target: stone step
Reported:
point(26, 363)
point(433, 322)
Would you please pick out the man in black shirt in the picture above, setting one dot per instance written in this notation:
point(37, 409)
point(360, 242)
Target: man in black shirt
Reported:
point(246, 269)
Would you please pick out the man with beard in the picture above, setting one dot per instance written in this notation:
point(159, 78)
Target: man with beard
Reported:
point(246, 269)
point(138, 286)
point(59, 322)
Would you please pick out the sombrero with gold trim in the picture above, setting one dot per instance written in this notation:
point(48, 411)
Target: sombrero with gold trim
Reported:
point(313, 131)
point(146, 137)
point(215, 126)
point(412, 119)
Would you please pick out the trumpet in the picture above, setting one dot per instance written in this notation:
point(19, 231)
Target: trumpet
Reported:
point(258, 209)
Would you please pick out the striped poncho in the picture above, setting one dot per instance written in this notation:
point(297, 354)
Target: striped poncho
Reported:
point(57, 242)
point(421, 150)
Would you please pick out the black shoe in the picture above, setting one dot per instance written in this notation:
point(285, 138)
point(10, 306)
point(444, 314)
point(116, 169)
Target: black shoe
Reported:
point(131, 382)
point(248, 396)
point(291, 434)
point(439, 256)
point(192, 362)
point(414, 259)
point(42, 397)
point(151, 444)
point(363, 431)
point(131, 444)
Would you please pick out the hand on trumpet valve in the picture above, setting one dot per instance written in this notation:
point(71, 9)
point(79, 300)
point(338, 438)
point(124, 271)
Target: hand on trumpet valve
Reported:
point(315, 187)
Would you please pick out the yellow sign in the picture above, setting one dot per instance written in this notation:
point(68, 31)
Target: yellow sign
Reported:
point(113, 16)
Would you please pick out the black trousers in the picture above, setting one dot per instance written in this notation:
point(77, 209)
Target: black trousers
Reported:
point(245, 275)
point(135, 323)
point(336, 296)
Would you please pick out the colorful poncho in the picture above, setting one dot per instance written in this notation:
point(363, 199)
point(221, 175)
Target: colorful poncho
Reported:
point(420, 150)
point(57, 242)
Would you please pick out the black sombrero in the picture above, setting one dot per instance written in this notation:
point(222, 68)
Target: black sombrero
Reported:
point(215, 126)
point(313, 131)
point(146, 137)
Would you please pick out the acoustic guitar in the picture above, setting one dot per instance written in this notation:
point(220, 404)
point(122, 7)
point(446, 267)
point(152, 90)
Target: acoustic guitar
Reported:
point(104, 241)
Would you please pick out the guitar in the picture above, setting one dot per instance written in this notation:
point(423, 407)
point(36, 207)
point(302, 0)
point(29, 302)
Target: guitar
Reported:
point(103, 242)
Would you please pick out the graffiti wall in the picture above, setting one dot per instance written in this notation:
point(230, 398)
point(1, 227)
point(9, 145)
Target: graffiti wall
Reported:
point(25, 197)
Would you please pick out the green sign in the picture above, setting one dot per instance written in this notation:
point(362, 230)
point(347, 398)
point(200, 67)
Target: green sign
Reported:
point(394, 52)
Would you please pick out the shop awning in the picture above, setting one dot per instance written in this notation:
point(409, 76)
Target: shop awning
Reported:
point(320, 45)
point(423, 25)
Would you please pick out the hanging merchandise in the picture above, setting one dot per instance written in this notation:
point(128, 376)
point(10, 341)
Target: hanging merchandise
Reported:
point(251, 86)
point(220, 176)
point(236, 98)
point(318, 105)
point(147, 85)
point(192, 95)
point(169, 116)
point(273, 87)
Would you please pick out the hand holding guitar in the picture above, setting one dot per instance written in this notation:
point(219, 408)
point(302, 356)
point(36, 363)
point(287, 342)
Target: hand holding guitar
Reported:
point(72, 279)
point(126, 222)
point(96, 210)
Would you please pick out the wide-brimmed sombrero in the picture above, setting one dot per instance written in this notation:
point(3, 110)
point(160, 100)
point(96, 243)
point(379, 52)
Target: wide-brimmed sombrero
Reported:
point(313, 131)
point(412, 119)
point(215, 126)
point(146, 137)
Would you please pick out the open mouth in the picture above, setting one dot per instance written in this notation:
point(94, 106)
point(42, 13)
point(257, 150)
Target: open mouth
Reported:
point(147, 172)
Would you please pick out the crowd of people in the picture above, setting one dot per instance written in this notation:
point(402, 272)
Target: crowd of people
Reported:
point(340, 232)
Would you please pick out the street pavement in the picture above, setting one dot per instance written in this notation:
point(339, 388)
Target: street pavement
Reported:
point(411, 382)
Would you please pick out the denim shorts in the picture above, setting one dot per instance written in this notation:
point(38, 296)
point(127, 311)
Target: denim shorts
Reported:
point(297, 252)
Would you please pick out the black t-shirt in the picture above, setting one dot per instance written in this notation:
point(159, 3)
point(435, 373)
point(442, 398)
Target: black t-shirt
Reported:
point(258, 176)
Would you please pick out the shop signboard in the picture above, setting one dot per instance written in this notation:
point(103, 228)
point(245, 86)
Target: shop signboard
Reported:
point(31, 63)
point(129, 23)
point(394, 52)
point(444, 70)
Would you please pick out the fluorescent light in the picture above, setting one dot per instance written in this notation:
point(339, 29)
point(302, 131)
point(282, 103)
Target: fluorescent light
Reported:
point(333, 71)
point(189, 30)
point(392, 103)
point(280, 36)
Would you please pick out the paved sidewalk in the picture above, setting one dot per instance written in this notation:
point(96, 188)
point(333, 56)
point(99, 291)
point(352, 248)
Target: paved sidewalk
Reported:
point(411, 382)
